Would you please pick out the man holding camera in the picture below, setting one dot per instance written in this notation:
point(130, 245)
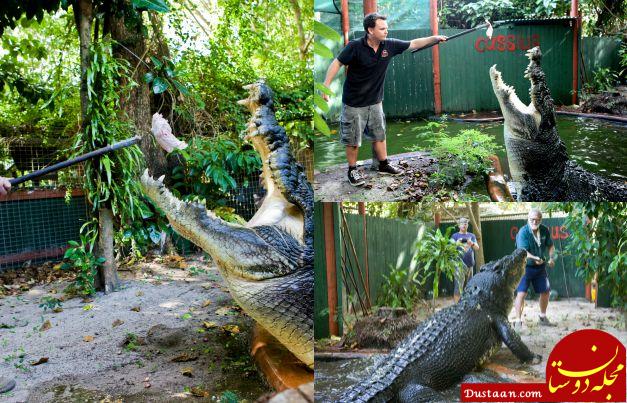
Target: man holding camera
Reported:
point(467, 244)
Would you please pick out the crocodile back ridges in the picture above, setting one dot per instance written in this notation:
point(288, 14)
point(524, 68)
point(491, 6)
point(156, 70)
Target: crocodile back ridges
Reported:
point(380, 384)
point(288, 174)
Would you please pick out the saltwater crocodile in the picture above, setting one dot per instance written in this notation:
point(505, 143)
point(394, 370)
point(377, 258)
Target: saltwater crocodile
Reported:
point(453, 342)
point(538, 161)
point(267, 263)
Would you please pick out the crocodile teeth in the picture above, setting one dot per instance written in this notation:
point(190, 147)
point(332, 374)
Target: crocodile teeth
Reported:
point(161, 178)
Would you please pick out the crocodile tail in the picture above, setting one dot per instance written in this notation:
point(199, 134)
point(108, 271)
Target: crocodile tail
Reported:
point(379, 387)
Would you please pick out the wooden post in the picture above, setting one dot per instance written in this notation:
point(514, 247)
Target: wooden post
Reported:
point(435, 51)
point(345, 21)
point(362, 212)
point(574, 12)
point(329, 248)
point(437, 217)
point(370, 6)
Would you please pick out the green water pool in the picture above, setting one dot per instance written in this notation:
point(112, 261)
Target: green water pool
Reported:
point(597, 145)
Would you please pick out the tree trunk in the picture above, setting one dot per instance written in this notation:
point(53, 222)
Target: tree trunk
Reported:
point(136, 103)
point(83, 17)
point(475, 220)
point(108, 271)
point(303, 45)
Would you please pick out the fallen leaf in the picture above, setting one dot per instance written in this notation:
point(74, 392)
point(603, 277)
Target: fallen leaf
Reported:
point(209, 325)
point(42, 360)
point(206, 303)
point(57, 310)
point(139, 293)
point(136, 308)
point(45, 326)
point(87, 300)
point(198, 392)
point(183, 265)
point(185, 357)
point(88, 307)
point(233, 329)
point(87, 339)
point(117, 323)
point(187, 371)
point(226, 311)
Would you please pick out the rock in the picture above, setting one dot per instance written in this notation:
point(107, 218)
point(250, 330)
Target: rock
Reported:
point(6, 384)
point(163, 336)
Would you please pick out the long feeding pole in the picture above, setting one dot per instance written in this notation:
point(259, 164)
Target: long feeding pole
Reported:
point(84, 157)
point(330, 259)
point(486, 25)
point(345, 21)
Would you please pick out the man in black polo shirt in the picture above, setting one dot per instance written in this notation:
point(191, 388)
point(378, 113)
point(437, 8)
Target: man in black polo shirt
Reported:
point(362, 112)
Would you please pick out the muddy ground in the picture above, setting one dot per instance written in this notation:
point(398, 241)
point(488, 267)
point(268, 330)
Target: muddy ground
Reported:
point(331, 184)
point(171, 333)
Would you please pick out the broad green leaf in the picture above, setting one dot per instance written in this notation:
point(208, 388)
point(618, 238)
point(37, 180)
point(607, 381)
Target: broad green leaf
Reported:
point(148, 77)
point(156, 5)
point(159, 85)
point(181, 87)
point(320, 124)
point(156, 62)
point(321, 103)
point(322, 51)
point(326, 32)
point(323, 88)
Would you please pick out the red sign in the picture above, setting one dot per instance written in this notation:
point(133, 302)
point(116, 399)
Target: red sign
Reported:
point(510, 43)
point(585, 366)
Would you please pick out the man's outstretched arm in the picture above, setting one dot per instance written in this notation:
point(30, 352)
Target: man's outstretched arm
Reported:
point(422, 42)
point(331, 73)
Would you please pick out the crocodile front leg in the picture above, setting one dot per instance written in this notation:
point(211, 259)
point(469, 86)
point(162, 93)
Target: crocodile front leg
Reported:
point(235, 248)
point(513, 341)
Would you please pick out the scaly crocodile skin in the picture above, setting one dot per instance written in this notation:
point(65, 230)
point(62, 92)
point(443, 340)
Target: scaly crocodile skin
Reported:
point(267, 263)
point(452, 342)
point(537, 156)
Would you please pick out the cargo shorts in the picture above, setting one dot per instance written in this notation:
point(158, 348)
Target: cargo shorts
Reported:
point(366, 121)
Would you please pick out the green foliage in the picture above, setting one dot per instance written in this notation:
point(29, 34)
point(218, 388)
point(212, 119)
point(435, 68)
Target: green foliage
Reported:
point(155, 5)
point(51, 303)
point(437, 255)
point(458, 155)
point(604, 79)
point(322, 50)
point(38, 93)
point(111, 180)
point(131, 342)
point(598, 243)
point(210, 169)
point(401, 288)
point(250, 40)
point(468, 13)
point(229, 397)
point(81, 259)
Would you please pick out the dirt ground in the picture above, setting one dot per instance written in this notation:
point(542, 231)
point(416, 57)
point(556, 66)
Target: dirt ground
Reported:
point(331, 184)
point(171, 333)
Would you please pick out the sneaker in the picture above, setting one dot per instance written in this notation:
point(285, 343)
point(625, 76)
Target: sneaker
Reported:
point(387, 169)
point(544, 321)
point(355, 178)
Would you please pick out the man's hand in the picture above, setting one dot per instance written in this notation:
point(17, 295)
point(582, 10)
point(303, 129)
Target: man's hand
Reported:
point(5, 186)
point(440, 38)
point(551, 263)
point(325, 96)
point(163, 134)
